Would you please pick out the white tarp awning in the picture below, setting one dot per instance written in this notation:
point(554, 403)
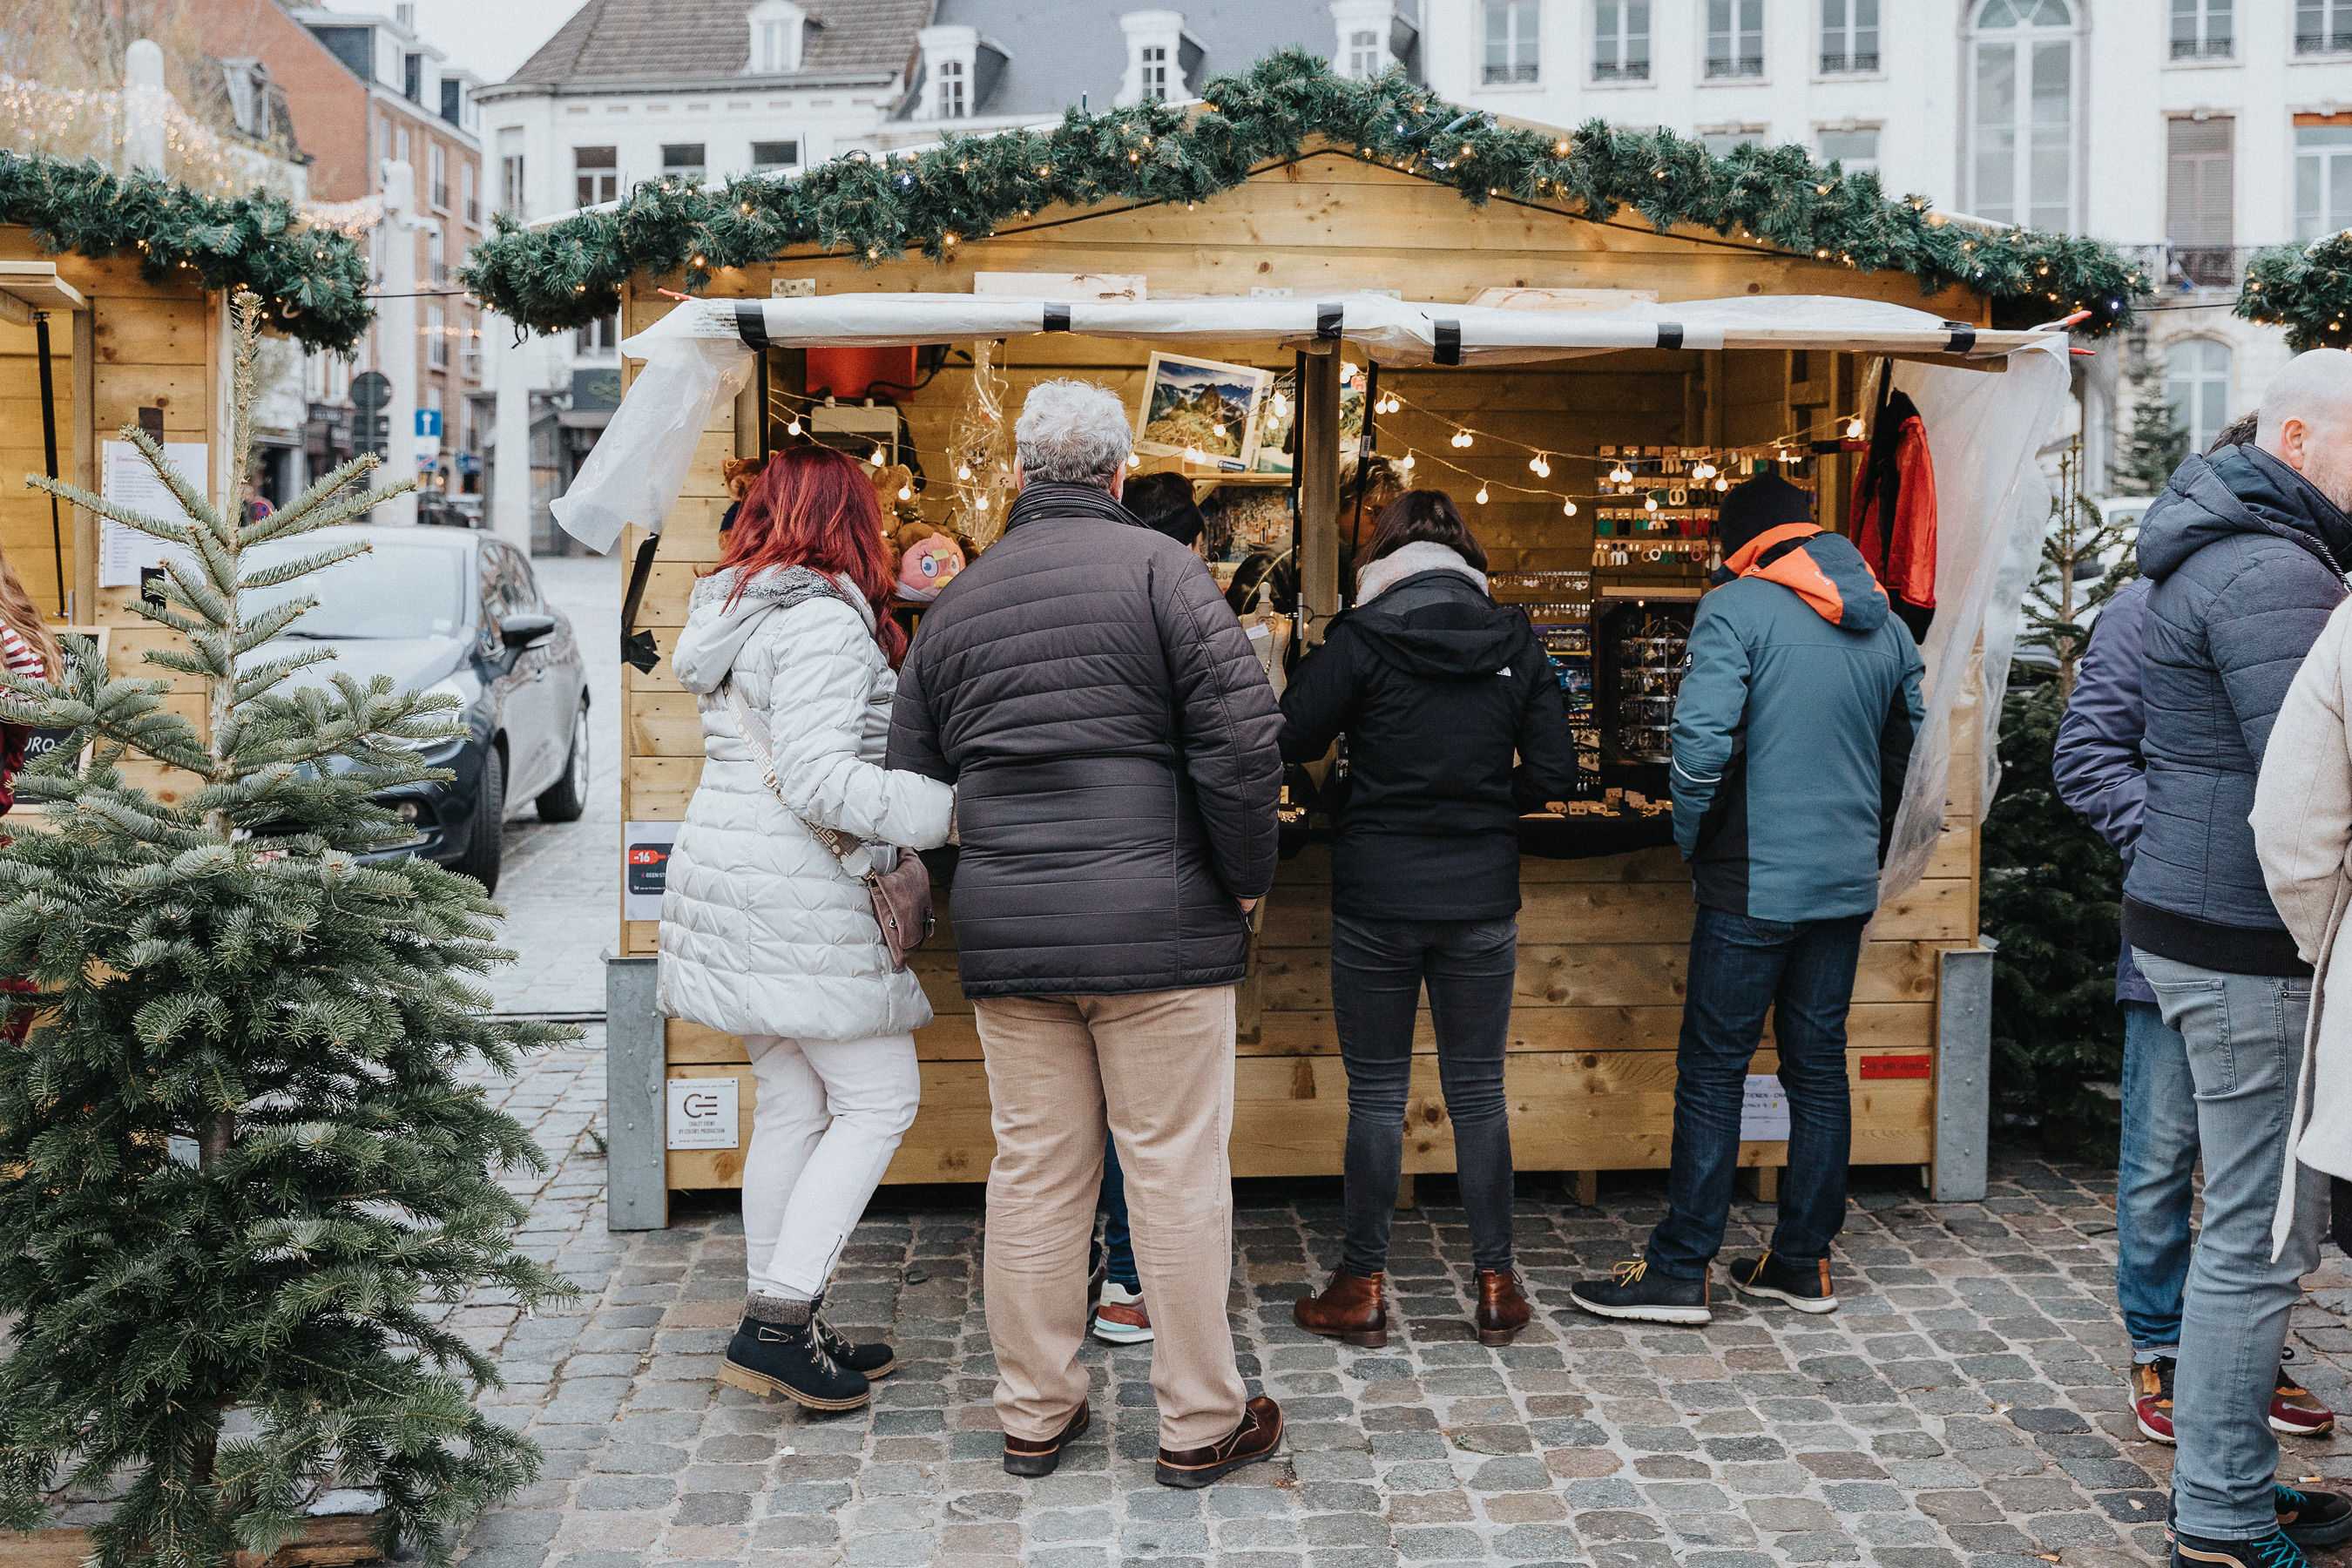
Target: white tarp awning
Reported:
point(706, 346)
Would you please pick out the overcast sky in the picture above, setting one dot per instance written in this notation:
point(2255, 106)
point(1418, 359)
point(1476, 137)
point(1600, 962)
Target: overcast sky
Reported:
point(488, 37)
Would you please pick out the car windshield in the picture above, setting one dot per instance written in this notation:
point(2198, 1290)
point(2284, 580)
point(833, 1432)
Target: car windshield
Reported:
point(394, 590)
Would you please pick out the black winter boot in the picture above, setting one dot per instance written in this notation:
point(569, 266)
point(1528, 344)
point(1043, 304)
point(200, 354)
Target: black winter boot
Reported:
point(778, 1350)
point(876, 1361)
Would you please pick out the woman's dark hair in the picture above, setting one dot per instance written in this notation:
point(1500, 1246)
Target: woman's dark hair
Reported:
point(2238, 432)
point(1424, 515)
point(1163, 503)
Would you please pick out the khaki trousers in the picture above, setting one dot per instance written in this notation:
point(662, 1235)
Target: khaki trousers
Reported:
point(1158, 1068)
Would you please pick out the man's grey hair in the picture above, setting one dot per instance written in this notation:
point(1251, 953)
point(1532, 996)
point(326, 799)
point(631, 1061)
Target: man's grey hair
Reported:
point(2316, 387)
point(1072, 433)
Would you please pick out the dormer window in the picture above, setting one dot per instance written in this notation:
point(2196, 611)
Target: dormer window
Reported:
point(1159, 58)
point(1371, 37)
point(951, 82)
point(778, 29)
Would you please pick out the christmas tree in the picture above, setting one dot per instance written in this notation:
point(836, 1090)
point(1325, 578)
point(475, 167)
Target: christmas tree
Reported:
point(239, 1159)
point(2155, 443)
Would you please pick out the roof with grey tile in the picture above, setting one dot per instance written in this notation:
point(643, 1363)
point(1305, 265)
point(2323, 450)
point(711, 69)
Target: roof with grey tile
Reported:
point(1056, 52)
point(697, 40)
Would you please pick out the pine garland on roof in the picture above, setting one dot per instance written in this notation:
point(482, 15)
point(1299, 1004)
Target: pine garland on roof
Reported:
point(2306, 288)
point(314, 281)
point(570, 272)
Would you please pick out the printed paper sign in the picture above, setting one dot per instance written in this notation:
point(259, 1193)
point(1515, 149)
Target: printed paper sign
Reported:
point(644, 867)
point(1764, 1112)
point(702, 1112)
point(125, 478)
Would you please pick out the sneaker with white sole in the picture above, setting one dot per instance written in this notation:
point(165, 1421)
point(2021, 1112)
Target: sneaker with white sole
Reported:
point(1804, 1286)
point(1120, 1318)
point(2294, 1410)
point(1633, 1292)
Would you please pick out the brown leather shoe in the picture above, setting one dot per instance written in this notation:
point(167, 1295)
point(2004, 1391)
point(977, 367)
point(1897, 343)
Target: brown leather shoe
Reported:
point(1255, 1438)
point(1501, 1310)
point(1350, 1310)
point(1027, 1457)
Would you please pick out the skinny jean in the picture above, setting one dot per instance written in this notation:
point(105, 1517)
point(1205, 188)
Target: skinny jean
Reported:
point(2244, 1038)
point(829, 1117)
point(2154, 1170)
point(1377, 970)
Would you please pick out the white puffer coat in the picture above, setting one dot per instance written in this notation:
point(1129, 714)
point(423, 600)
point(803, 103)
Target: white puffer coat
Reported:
point(763, 930)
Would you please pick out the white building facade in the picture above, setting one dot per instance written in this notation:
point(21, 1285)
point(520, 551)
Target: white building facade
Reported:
point(2192, 132)
point(625, 94)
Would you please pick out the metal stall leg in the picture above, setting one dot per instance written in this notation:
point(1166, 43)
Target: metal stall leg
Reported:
point(636, 1157)
point(1963, 1073)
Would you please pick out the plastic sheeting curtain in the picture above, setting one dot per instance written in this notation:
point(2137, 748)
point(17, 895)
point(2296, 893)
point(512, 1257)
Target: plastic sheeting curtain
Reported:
point(1983, 433)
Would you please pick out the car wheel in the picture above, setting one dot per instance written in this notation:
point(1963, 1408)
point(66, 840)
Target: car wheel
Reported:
point(480, 860)
point(568, 797)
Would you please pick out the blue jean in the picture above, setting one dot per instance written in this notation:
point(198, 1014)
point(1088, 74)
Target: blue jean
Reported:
point(1378, 968)
point(2244, 1038)
point(1117, 1242)
point(2153, 1180)
point(1740, 967)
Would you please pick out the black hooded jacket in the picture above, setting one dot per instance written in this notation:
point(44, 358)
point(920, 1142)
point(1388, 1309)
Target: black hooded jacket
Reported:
point(1436, 687)
point(2246, 559)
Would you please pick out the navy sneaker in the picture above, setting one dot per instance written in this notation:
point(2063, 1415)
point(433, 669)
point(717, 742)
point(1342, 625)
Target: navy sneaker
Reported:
point(2276, 1550)
point(1633, 1292)
point(1804, 1286)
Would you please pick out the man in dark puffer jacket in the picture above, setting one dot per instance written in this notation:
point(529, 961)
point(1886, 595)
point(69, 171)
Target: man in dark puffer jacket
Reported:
point(2246, 551)
point(1113, 743)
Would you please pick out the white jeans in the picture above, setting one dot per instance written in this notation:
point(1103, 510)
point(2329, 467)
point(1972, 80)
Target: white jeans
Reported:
point(830, 1115)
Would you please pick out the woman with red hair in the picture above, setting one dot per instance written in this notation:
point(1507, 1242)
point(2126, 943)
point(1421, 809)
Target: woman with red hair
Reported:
point(766, 931)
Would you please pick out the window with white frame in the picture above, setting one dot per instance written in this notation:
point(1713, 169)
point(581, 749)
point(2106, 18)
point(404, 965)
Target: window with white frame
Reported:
point(950, 101)
point(470, 340)
point(1155, 57)
point(1734, 38)
point(2197, 384)
point(777, 29)
point(2322, 180)
point(597, 171)
point(771, 157)
point(951, 86)
point(2021, 126)
point(1361, 30)
point(2202, 29)
point(2323, 27)
point(682, 161)
point(1621, 40)
point(1849, 35)
point(1367, 56)
point(1512, 38)
point(1854, 149)
point(437, 337)
point(1723, 139)
point(511, 198)
point(437, 162)
point(598, 337)
point(436, 256)
point(472, 207)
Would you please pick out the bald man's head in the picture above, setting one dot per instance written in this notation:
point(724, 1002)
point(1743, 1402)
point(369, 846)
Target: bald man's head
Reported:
point(2307, 421)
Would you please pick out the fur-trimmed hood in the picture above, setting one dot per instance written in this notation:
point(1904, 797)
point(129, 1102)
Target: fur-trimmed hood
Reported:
point(716, 631)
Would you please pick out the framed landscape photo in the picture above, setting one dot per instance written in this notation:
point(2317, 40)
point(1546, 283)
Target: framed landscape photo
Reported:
point(1201, 409)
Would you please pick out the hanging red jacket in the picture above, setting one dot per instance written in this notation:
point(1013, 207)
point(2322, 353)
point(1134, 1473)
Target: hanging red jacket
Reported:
point(1894, 507)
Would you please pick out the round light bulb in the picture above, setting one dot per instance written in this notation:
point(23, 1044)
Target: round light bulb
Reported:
point(1481, 495)
point(963, 470)
point(906, 492)
point(982, 504)
point(1649, 503)
point(793, 428)
point(1216, 429)
point(1407, 465)
point(1133, 461)
point(1854, 428)
point(1721, 483)
point(878, 457)
point(1568, 508)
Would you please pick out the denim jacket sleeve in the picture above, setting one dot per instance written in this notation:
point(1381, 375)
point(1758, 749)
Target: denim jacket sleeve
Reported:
point(2096, 762)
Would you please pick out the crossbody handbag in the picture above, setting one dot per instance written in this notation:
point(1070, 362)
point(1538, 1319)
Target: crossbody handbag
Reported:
point(902, 895)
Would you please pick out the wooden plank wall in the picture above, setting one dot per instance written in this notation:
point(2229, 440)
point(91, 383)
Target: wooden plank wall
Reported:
point(1602, 940)
point(143, 345)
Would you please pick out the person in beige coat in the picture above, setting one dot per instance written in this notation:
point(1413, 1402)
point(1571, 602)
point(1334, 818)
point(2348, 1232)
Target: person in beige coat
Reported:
point(2302, 830)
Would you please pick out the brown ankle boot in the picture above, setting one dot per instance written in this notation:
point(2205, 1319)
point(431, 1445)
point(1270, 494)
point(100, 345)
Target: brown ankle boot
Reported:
point(1501, 1310)
point(1350, 1309)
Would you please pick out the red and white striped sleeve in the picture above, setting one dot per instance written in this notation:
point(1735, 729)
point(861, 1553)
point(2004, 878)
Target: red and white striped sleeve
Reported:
point(22, 657)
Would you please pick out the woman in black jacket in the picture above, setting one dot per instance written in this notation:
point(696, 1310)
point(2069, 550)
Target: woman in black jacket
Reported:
point(1454, 726)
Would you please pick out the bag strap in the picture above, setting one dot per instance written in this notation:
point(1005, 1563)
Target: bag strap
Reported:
point(755, 737)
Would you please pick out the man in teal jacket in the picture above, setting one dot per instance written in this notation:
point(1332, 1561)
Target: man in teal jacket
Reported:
point(1792, 735)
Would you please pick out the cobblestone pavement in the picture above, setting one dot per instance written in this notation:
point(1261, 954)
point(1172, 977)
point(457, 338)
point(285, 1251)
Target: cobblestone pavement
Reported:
point(1965, 1406)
